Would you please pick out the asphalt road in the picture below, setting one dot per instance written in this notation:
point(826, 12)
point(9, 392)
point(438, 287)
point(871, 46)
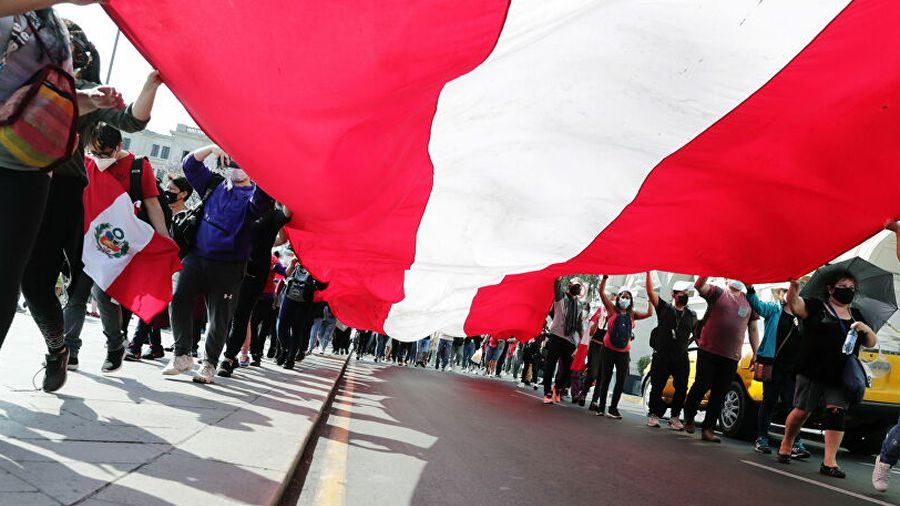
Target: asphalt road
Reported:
point(412, 436)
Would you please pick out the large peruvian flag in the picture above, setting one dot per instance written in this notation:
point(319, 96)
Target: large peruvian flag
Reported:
point(124, 255)
point(447, 159)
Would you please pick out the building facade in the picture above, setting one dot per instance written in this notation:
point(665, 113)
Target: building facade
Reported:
point(165, 151)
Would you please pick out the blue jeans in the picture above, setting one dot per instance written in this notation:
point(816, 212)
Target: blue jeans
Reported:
point(443, 354)
point(467, 354)
point(890, 448)
point(322, 331)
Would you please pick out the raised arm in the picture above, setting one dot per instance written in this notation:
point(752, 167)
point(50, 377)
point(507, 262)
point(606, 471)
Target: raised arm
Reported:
point(144, 103)
point(195, 171)
point(651, 295)
point(610, 308)
point(795, 301)
point(702, 285)
point(559, 290)
point(894, 226)
point(764, 309)
point(13, 7)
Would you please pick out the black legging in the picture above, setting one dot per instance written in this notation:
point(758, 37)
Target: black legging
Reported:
point(60, 237)
point(24, 195)
point(251, 288)
point(609, 359)
point(293, 326)
point(559, 351)
point(261, 323)
point(593, 369)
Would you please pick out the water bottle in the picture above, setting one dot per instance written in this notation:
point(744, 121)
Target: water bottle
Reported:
point(849, 342)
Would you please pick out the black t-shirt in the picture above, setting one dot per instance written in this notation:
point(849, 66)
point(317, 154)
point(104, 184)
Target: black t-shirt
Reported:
point(821, 358)
point(668, 320)
point(786, 359)
point(262, 237)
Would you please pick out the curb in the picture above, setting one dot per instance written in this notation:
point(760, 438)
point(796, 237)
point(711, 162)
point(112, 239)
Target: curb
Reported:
point(311, 435)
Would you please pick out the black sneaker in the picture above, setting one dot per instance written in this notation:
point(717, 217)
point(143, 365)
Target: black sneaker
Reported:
point(281, 358)
point(55, 370)
point(593, 407)
point(613, 413)
point(271, 352)
point(289, 365)
point(132, 356)
point(226, 368)
point(256, 361)
point(113, 360)
point(834, 472)
point(73, 362)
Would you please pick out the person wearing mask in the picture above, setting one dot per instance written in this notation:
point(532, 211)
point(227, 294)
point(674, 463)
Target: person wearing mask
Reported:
point(669, 340)
point(33, 38)
point(890, 448)
point(779, 349)
point(215, 266)
point(106, 155)
point(616, 347)
point(264, 235)
point(61, 232)
point(826, 320)
point(565, 332)
point(721, 342)
point(177, 192)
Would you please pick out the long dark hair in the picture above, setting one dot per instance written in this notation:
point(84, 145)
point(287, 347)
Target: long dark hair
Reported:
point(85, 56)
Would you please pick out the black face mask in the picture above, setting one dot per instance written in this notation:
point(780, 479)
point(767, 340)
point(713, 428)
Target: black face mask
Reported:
point(682, 300)
point(171, 197)
point(575, 291)
point(843, 295)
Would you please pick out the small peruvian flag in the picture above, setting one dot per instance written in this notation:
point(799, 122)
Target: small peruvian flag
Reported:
point(124, 255)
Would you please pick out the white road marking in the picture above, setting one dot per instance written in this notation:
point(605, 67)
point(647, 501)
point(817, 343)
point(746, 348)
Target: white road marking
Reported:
point(820, 484)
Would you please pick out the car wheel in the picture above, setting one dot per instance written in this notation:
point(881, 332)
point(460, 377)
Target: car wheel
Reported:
point(645, 392)
point(737, 416)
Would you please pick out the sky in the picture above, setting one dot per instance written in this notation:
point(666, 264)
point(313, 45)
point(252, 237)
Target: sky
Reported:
point(130, 68)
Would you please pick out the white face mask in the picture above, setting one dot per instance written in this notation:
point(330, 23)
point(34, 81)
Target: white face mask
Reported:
point(737, 285)
point(237, 175)
point(104, 163)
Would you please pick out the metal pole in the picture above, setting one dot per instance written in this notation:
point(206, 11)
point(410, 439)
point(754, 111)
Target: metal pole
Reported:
point(113, 58)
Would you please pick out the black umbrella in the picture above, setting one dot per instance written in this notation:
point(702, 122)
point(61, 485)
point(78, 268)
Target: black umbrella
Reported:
point(875, 296)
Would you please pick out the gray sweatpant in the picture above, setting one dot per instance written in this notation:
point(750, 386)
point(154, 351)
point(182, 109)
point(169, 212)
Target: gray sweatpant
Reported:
point(220, 282)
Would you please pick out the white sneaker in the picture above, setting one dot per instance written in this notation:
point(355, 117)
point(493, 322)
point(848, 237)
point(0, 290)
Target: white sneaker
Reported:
point(653, 421)
point(206, 374)
point(178, 365)
point(675, 423)
point(881, 475)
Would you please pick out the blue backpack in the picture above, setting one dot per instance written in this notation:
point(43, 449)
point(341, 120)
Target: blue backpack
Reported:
point(620, 331)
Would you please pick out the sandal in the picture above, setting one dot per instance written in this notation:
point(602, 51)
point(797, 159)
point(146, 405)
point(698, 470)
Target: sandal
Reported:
point(834, 472)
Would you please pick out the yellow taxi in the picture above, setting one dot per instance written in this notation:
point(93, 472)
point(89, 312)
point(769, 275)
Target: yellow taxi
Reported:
point(867, 423)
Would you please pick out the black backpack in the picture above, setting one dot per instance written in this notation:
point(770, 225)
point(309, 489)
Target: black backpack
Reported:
point(300, 286)
point(136, 192)
point(620, 331)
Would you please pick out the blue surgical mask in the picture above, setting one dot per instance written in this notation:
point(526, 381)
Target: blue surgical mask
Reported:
point(624, 303)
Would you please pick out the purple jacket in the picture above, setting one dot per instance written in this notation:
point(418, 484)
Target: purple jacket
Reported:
point(224, 232)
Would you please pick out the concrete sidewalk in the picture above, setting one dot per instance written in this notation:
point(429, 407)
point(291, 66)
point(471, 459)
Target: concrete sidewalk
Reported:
point(136, 437)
